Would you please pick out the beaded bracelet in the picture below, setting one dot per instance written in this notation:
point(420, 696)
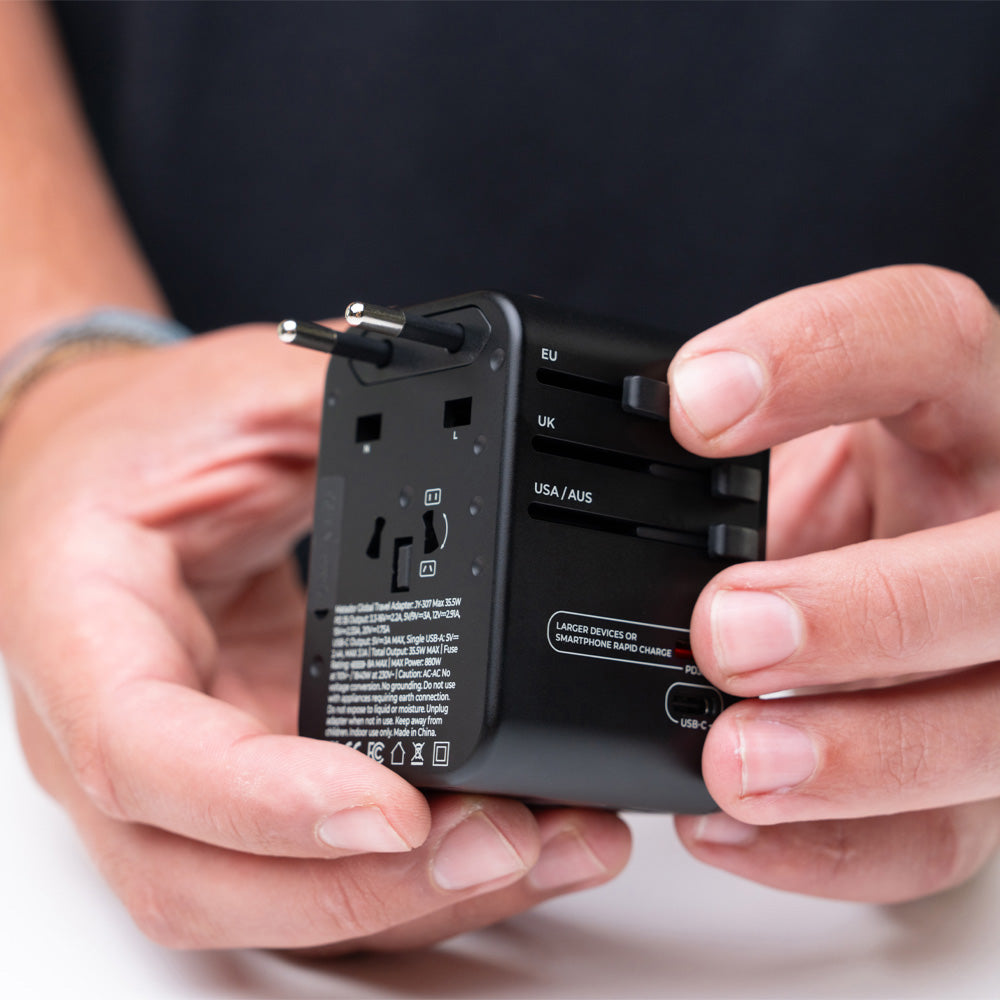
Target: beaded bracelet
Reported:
point(89, 335)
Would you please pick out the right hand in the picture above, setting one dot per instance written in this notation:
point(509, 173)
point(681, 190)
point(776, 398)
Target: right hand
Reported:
point(151, 625)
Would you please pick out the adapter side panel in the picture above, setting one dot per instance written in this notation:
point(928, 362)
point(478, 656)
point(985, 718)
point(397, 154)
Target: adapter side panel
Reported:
point(616, 529)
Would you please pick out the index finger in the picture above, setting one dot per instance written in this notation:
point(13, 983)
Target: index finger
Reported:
point(916, 346)
point(120, 690)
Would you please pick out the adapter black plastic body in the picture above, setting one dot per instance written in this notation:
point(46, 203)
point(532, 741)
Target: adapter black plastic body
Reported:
point(508, 545)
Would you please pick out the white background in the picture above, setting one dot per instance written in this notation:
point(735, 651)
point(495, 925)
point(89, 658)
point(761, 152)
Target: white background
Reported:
point(669, 927)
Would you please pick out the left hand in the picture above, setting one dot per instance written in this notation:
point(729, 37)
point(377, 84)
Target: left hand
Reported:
point(884, 583)
point(150, 621)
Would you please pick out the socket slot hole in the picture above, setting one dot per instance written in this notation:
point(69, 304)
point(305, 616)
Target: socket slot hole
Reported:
point(402, 564)
point(431, 543)
point(374, 549)
point(369, 428)
point(458, 412)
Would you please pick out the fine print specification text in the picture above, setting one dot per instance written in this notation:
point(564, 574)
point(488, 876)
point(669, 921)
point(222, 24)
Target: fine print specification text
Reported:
point(391, 679)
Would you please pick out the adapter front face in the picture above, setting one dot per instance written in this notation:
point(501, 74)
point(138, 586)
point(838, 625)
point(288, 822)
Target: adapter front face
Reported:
point(507, 547)
point(409, 522)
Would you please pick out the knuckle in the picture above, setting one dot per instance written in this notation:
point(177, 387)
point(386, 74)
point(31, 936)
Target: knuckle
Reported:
point(253, 813)
point(831, 847)
point(943, 860)
point(902, 747)
point(164, 914)
point(38, 763)
point(40, 754)
point(960, 319)
point(89, 767)
point(961, 307)
point(246, 823)
point(826, 320)
point(348, 905)
point(156, 917)
point(840, 854)
point(898, 611)
point(957, 842)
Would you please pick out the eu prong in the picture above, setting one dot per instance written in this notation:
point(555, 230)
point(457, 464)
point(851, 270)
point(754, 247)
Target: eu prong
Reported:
point(345, 344)
point(396, 323)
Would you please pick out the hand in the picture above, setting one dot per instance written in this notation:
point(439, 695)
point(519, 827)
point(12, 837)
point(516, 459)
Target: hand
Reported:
point(885, 538)
point(151, 626)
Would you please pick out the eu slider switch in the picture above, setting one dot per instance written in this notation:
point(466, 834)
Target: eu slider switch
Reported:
point(646, 397)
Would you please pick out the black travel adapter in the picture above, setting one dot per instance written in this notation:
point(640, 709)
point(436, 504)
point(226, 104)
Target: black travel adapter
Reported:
point(508, 544)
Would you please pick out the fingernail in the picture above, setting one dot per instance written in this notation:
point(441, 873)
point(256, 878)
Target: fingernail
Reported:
point(473, 853)
point(753, 629)
point(565, 860)
point(774, 757)
point(364, 828)
point(723, 830)
point(717, 390)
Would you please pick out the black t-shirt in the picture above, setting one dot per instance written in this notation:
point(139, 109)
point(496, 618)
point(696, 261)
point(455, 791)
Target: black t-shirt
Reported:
point(672, 162)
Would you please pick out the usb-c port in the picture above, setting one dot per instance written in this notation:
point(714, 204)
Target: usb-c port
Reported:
point(694, 702)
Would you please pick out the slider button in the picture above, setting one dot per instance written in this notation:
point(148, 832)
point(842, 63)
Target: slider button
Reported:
point(733, 541)
point(741, 482)
point(646, 397)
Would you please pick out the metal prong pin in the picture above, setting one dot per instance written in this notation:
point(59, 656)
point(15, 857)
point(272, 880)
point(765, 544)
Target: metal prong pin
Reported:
point(345, 344)
point(396, 323)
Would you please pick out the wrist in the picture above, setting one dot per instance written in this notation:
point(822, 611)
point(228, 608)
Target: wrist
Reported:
point(99, 332)
point(52, 377)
